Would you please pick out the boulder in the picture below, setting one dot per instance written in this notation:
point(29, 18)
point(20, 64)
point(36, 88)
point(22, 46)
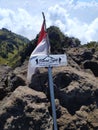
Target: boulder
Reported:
point(9, 81)
point(25, 109)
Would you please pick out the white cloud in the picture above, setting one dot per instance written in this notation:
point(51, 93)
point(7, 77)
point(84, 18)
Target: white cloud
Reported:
point(78, 21)
point(92, 31)
point(20, 22)
point(76, 18)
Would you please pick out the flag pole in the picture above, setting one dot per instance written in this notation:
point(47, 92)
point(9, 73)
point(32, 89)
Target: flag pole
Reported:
point(51, 86)
point(47, 39)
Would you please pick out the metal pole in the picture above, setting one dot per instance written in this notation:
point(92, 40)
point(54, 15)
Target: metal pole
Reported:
point(51, 84)
point(52, 97)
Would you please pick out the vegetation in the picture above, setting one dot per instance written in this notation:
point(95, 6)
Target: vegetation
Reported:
point(11, 45)
point(59, 41)
point(92, 44)
point(14, 49)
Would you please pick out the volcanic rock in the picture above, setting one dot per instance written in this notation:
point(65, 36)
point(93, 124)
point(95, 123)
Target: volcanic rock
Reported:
point(25, 109)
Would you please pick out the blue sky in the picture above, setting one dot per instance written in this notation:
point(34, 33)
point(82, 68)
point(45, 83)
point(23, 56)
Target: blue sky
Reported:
point(77, 18)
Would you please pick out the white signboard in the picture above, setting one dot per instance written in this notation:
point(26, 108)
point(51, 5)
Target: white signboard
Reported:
point(48, 60)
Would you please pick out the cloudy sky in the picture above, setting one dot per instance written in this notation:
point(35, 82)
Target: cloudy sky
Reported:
point(78, 18)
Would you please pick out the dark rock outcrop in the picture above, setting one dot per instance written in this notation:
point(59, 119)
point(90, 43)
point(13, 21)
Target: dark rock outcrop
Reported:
point(9, 81)
point(92, 65)
point(25, 109)
point(87, 59)
point(80, 89)
point(76, 95)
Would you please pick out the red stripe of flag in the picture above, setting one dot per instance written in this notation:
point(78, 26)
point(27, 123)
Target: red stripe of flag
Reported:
point(42, 33)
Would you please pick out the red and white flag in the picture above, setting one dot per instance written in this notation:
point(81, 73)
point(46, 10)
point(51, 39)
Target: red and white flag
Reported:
point(41, 48)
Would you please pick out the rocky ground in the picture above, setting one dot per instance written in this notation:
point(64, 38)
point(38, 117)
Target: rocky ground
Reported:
point(27, 106)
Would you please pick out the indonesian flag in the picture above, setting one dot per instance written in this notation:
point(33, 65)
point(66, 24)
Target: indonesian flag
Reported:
point(41, 48)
